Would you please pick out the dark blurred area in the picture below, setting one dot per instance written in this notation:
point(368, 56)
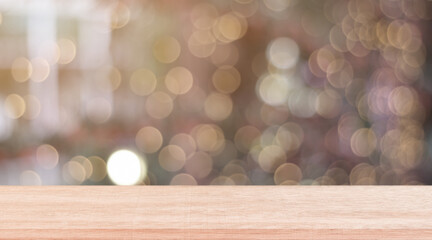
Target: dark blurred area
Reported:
point(215, 92)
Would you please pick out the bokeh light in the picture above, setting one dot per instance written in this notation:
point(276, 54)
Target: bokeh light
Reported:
point(211, 92)
point(183, 179)
point(40, 69)
point(179, 80)
point(21, 69)
point(67, 50)
point(124, 167)
point(143, 82)
point(172, 158)
point(218, 106)
point(283, 53)
point(166, 49)
point(149, 139)
point(31, 178)
point(226, 79)
point(47, 156)
point(14, 106)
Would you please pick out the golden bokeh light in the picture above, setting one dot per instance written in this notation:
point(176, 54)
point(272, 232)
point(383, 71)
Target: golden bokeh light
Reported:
point(172, 158)
point(149, 139)
point(85, 163)
point(218, 106)
point(328, 103)
point(363, 142)
point(21, 69)
point(47, 156)
point(15, 106)
point(287, 174)
point(209, 137)
point(363, 174)
point(183, 179)
point(143, 82)
point(230, 27)
point(99, 168)
point(166, 49)
point(73, 173)
point(226, 79)
point(402, 101)
point(67, 51)
point(222, 180)
point(40, 69)
point(325, 56)
point(179, 80)
point(410, 153)
point(271, 157)
point(402, 148)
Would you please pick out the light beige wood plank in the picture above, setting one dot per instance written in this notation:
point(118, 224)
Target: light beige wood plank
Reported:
point(216, 212)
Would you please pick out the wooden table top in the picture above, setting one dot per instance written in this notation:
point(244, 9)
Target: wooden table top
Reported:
point(216, 212)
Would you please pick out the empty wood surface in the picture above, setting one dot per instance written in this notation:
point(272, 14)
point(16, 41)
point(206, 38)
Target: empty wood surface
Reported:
point(216, 212)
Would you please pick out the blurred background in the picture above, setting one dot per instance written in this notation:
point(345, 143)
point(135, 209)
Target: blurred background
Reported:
point(215, 92)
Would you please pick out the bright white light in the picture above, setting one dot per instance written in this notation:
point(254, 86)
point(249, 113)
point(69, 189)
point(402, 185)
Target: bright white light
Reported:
point(283, 53)
point(126, 168)
point(273, 90)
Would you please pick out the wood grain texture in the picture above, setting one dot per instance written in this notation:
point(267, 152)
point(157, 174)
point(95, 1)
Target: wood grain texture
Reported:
point(216, 212)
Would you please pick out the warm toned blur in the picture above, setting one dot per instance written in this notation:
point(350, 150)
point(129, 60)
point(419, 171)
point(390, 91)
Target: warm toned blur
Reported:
point(215, 92)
